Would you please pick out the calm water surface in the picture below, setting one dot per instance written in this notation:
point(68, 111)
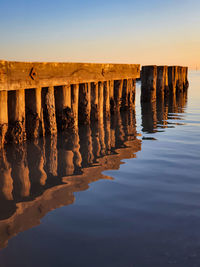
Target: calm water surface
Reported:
point(144, 212)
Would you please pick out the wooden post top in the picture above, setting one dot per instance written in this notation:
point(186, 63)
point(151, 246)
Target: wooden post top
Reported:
point(26, 75)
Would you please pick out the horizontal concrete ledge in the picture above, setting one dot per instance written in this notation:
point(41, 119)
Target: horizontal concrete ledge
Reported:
point(27, 75)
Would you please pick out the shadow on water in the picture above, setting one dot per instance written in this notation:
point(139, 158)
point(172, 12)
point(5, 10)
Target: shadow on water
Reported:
point(43, 175)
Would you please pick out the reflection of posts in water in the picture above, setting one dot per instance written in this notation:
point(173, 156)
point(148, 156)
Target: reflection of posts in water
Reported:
point(65, 154)
point(6, 181)
point(49, 113)
point(119, 132)
point(34, 113)
point(181, 100)
point(16, 116)
point(96, 140)
point(86, 148)
point(106, 104)
point(131, 92)
point(20, 172)
point(51, 155)
point(125, 94)
point(107, 136)
point(161, 111)
point(148, 83)
point(76, 150)
point(37, 173)
point(64, 113)
point(129, 123)
point(149, 117)
point(74, 102)
point(3, 116)
point(84, 108)
point(102, 138)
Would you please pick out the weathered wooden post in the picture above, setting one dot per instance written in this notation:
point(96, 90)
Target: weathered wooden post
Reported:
point(49, 113)
point(125, 95)
point(106, 86)
point(162, 81)
point(74, 103)
point(172, 79)
point(101, 100)
point(16, 116)
point(3, 116)
point(118, 87)
point(131, 92)
point(186, 83)
point(64, 113)
point(179, 84)
point(84, 103)
point(94, 101)
point(112, 100)
point(148, 86)
point(34, 113)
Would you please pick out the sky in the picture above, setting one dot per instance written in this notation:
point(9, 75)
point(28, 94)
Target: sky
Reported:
point(128, 31)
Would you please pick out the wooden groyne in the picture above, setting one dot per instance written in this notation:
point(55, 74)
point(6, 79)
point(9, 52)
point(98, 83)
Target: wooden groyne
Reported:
point(160, 81)
point(37, 99)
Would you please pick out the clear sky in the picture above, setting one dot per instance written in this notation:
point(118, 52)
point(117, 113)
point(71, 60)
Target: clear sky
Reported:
point(128, 31)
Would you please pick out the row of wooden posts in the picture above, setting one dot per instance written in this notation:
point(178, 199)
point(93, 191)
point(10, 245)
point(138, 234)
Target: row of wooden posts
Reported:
point(38, 99)
point(45, 110)
point(159, 81)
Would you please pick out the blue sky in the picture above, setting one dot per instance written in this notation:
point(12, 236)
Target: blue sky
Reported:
point(146, 32)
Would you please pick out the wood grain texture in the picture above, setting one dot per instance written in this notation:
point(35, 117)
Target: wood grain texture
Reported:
point(26, 75)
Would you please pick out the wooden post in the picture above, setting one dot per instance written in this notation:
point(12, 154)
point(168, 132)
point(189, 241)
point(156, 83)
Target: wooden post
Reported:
point(16, 116)
point(148, 87)
point(162, 81)
point(101, 98)
point(172, 79)
point(64, 114)
point(118, 86)
point(49, 113)
point(3, 116)
point(34, 113)
point(112, 100)
point(74, 103)
point(94, 101)
point(125, 95)
point(106, 86)
point(84, 108)
point(179, 84)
